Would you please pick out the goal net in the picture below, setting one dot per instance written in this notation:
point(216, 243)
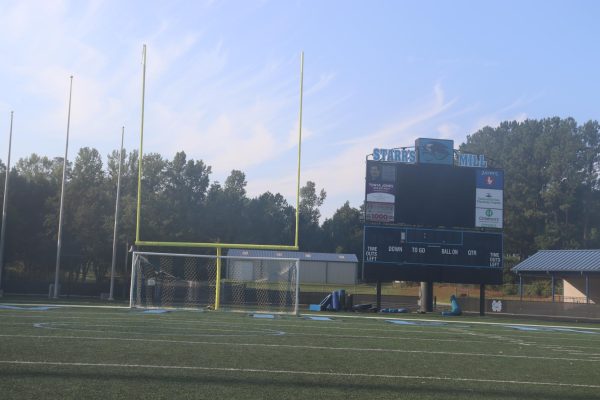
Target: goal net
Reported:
point(166, 280)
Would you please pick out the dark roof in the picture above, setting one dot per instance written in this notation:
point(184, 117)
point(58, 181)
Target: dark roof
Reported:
point(301, 255)
point(566, 261)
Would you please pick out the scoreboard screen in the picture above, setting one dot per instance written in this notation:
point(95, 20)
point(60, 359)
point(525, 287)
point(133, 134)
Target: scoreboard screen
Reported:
point(430, 195)
point(434, 195)
point(398, 253)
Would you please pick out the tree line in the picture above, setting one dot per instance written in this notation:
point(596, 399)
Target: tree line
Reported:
point(179, 204)
point(551, 201)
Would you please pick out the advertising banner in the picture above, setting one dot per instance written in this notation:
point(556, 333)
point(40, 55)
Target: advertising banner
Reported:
point(380, 212)
point(381, 192)
point(488, 218)
point(488, 198)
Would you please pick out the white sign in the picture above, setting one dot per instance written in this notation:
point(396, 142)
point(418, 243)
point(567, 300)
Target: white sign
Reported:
point(488, 198)
point(381, 197)
point(488, 218)
point(380, 212)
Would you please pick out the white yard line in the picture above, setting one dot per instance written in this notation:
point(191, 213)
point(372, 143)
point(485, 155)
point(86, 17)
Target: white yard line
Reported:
point(305, 347)
point(292, 372)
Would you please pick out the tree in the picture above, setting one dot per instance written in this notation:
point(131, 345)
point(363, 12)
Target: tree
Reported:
point(551, 181)
point(88, 215)
point(309, 230)
point(344, 230)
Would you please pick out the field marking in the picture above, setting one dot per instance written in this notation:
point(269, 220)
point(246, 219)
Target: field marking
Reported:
point(291, 346)
point(126, 307)
point(66, 306)
point(449, 322)
point(292, 372)
point(270, 332)
point(264, 332)
point(516, 335)
point(453, 322)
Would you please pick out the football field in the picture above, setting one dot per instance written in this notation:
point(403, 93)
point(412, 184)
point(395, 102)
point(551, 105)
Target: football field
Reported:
point(111, 353)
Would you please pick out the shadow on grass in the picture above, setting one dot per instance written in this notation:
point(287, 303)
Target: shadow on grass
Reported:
point(297, 385)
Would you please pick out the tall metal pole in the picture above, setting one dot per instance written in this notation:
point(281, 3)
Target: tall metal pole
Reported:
point(4, 202)
point(141, 153)
point(62, 195)
point(296, 244)
point(114, 253)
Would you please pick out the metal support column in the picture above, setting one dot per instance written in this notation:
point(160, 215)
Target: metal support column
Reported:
point(378, 295)
point(520, 287)
point(482, 300)
point(587, 289)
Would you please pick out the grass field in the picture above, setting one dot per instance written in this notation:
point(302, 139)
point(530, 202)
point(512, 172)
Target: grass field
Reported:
point(86, 353)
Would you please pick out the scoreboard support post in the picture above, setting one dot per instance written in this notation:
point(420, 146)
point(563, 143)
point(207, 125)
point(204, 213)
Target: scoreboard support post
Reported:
point(429, 297)
point(482, 299)
point(426, 297)
point(378, 295)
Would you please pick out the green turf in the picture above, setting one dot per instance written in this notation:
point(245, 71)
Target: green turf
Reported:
point(76, 353)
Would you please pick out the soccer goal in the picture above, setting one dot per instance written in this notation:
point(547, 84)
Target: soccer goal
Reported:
point(191, 281)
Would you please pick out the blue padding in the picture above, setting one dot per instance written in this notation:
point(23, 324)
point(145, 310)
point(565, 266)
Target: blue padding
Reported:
point(416, 323)
point(157, 311)
point(313, 318)
point(263, 316)
point(455, 308)
point(314, 307)
point(35, 308)
point(335, 300)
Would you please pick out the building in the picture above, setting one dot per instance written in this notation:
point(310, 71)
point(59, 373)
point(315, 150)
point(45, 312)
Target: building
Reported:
point(318, 268)
point(579, 270)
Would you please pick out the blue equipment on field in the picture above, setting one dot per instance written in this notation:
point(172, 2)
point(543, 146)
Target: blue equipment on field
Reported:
point(455, 308)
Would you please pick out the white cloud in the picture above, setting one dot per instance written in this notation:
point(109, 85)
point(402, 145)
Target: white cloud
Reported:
point(342, 174)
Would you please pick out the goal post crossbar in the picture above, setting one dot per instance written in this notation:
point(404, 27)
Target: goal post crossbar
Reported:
point(279, 275)
point(217, 245)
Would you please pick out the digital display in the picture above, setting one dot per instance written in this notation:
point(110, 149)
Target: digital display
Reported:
point(434, 196)
point(432, 247)
point(398, 253)
point(430, 195)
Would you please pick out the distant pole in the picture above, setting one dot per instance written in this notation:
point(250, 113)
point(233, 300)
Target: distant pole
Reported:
point(296, 243)
point(114, 254)
point(141, 153)
point(4, 202)
point(62, 195)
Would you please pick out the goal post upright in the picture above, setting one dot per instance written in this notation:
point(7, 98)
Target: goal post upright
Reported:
point(215, 245)
point(218, 280)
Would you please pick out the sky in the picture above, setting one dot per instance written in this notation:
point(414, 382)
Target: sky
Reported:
point(223, 79)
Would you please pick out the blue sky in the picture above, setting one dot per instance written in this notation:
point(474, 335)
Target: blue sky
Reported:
point(223, 78)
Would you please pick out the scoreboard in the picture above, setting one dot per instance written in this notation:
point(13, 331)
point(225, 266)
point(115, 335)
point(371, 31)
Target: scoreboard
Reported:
point(399, 253)
point(432, 247)
point(427, 220)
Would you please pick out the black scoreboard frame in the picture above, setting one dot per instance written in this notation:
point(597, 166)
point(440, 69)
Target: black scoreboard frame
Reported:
point(452, 250)
point(432, 255)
